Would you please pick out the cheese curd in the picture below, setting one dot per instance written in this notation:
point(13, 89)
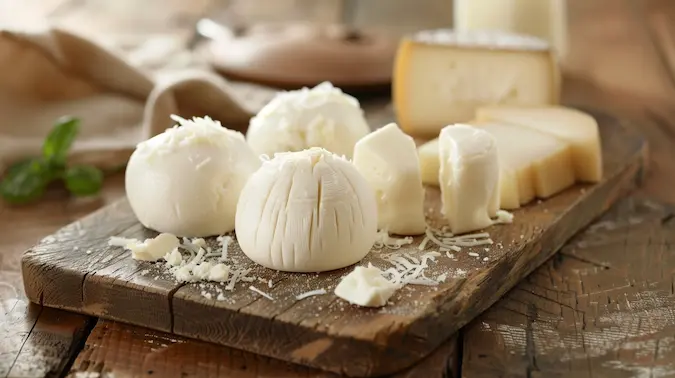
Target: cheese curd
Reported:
point(307, 211)
point(323, 116)
point(187, 180)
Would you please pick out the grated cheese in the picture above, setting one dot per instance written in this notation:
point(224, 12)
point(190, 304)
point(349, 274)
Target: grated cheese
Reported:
point(384, 240)
point(253, 288)
point(310, 294)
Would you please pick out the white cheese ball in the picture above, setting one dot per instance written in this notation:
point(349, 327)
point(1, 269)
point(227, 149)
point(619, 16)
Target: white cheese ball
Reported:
point(323, 116)
point(187, 180)
point(307, 211)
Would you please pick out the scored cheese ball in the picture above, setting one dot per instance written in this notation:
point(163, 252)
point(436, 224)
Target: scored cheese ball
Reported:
point(323, 117)
point(306, 211)
point(441, 76)
point(388, 159)
point(577, 128)
point(469, 177)
point(187, 180)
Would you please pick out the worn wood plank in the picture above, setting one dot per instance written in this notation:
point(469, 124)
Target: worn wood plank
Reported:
point(322, 332)
point(602, 307)
point(36, 341)
point(121, 350)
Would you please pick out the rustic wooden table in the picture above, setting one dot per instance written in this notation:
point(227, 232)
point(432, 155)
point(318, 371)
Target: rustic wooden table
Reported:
point(604, 306)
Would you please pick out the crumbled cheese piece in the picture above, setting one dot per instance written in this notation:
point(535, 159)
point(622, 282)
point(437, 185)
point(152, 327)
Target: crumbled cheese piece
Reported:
point(202, 271)
point(450, 255)
point(88, 251)
point(151, 249)
point(174, 258)
point(253, 288)
point(442, 277)
point(503, 216)
point(310, 294)
point(365, 286)
point(206, 295)
point(270, 284)
point(486, 258)
point(219, 273)
point(220, 297)
point(474, 254)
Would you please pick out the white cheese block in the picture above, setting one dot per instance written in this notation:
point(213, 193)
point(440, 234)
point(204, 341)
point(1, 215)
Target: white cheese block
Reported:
point(441, 76)
point(388, 160)
point(469, 177)
point(578, 129)
point(366, 287)
point(306, 211)
point(429, 162)
point(542, 164)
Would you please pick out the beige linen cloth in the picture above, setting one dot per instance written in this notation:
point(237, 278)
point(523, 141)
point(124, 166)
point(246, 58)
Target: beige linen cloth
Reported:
point(51, 73)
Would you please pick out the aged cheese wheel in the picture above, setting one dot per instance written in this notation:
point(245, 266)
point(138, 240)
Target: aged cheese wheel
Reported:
point(298, 54)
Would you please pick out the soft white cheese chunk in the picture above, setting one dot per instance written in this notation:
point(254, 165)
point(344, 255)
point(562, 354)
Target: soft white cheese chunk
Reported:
point(306, 211)
point(187, 180)
point(366, 287)
point(387, 158)
point(155, 248)
point(429, 162)
point(323, 116)
point(469, 177)
point(577, 128)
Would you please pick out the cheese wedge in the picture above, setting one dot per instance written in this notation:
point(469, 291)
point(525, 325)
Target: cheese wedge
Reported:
point(578, 129)
point(542, 163)
point(429, 162)
point(469, 177)
point(387, 158)
point(441, 77)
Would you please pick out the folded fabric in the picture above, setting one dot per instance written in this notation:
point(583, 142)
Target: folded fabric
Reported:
point(51, 73)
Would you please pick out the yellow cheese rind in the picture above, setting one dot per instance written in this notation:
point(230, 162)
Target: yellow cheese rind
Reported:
point(577, 128)
point(429, 162)
point(436, 84)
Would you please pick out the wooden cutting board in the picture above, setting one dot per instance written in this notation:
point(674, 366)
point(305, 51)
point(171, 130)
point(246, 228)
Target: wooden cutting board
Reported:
point(75, 269)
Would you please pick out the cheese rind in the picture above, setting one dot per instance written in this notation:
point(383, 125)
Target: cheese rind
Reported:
point(469, 177)
point(578, 129)
point(441, 77)
point(429, 162)
point(366, 287)
point(543, 164)
point(388, 160)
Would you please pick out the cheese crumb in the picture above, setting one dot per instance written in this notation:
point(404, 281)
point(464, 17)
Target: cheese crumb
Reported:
point(365, 286)
point(253, 288)
point(474, 254)
point(310, 294)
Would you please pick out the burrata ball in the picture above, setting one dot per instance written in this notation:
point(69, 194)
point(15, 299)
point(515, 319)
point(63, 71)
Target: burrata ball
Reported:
point(306, 211)
point(323, 117)
point(187, 180)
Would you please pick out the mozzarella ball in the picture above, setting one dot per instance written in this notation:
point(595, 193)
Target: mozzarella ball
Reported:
point(187, 180)
point(307, 211)
point(323, 116)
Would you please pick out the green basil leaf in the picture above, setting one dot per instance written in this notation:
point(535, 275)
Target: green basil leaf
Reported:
point(25, 181)
point(60, 139)
point(83, 180)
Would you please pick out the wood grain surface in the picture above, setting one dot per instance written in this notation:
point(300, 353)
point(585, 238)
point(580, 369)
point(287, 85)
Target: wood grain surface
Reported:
point(322, 332)
point(582, 314)
point(129, 351)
